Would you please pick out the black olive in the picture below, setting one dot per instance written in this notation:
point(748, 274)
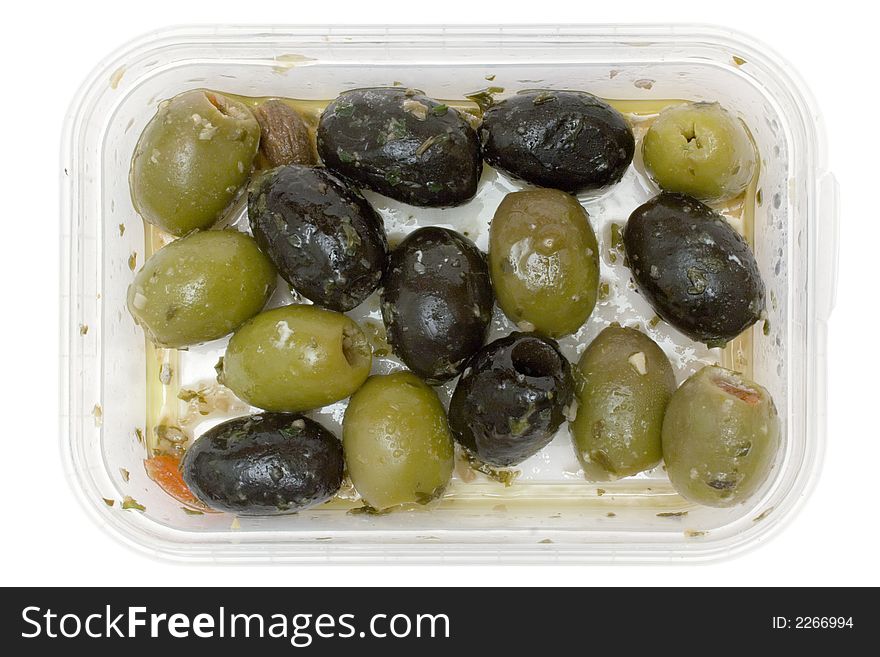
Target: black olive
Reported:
point(511, 398)
point(402, 144)
point(323, 236)
point(436, 302)
point(697, 272)
point(265, 464)
point(568, 140)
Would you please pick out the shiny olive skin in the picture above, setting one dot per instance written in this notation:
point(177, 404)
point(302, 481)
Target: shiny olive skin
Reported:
point(296, 358)
point(402, 144)
point(192, 159)
point(265, 464)
point(699, 149)
point(511, 399)
point(200, 288)
point(697, 272)
point(568, 140)
point(396, 441)
point(436, 302)
point(322, 235)
point(544, 261)
point(624, 381)
point(721, 434)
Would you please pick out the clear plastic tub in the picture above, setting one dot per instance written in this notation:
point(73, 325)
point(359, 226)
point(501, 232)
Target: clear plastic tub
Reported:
point(111, 387)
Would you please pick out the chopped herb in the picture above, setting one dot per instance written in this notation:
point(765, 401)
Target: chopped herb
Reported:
point(108, 502)
point(440, 110)
point(344, 109)
point(83, 329)
point(121, 230)
point(672, 514)
point(763, 514)
point(129, 502)
point(397, 83)
point(191, 512)
point(600, 492)
point(694, 533)
point(125, 474)
point(187, 395)
point(502, 475)
point(345, 156)
point(392, 177)
point(739, 61)
point(139, 434)
point(431, 141)
point(611, 514)
point(616, 236)
point(368, 510)
point(545, 540)
point(132, 260)
point(766, 327)
point(485, 97)
point(654, 321)
point(759, 197)
point(489, 77)
point(434, 187)
point(543, 97)
point(604, 290)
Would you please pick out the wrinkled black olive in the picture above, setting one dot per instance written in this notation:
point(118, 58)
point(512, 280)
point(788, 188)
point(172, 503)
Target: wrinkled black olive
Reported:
point(323, 236)
point(265, 464)
point(511, 398)
point(400, 143)
point(436, 302)
point(697, 272)
point(568, 140)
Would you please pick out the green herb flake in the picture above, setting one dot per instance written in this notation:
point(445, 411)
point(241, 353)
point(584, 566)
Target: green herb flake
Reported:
point(604, 290)
point(129, 502)
point(545, 541)
point(600, 492)
point(121, 230)
point(392, 177)
point(187, 395)
point(759, 197)
point(489, 77)
point(434, 187)
point(83, 329)
point(672, 514)
point(440, 110)
point(191, 512)
point(484, 98)
point(694, 533)
point(763, 514)
point(345, 156)
point(616, 236)
point(125, 474)
point(132, 260)
point(654, 322)
point(739, 61)
point(501, 475)
point(344, 109)
point(766, 327)
point(611, 514)
point(108, 502)
point(139, 434)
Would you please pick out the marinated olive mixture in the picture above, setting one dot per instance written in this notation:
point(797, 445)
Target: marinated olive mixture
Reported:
point(717, 433)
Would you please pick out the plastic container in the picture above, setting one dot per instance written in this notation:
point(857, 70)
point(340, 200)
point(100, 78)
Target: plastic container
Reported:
point(551, 514)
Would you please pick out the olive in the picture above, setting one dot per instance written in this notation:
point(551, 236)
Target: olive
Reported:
point(511, 398)
point(191, 160)
point(436, 302)
point(402, 144)
point(697, 272)
point(323, 236)
point(699, 149)
point(295, 358)
point(544, 261)
point(200, 288)
point(284, 135)
point(568, 140)
point(396, 441)
point(721, 434)
point(265, 464)
point(624, 382)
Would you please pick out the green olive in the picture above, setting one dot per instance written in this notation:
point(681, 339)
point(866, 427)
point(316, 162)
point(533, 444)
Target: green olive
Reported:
point(200, 288)
point(396, 441)
point(699, 149)
point(544, 261)
point(720, 437)
point(624, 382)
point(192, 159)
point(296, 358)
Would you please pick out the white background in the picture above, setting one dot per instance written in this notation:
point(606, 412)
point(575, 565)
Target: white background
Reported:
point(46, 52)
